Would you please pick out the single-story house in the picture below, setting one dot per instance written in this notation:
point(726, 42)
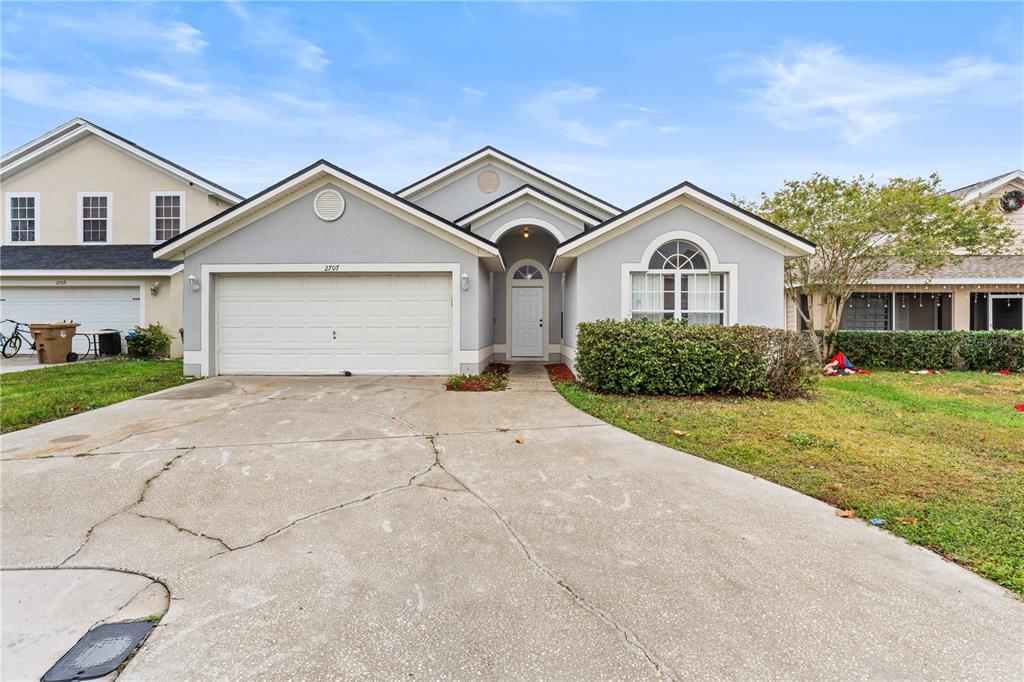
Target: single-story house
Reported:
point(487, 259)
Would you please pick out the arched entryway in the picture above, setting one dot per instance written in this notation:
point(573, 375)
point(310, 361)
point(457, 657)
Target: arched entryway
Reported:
point(528, 299)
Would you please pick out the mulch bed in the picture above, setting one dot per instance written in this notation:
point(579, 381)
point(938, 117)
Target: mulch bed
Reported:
point(558, 371)
point(494, 378)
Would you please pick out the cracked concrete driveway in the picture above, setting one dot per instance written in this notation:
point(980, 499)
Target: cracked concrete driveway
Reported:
point(325, 528)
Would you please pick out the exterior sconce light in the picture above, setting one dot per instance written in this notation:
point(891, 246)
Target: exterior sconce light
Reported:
point(155, 288)
point(465, 281)
point(193, 283)
point(526, 233)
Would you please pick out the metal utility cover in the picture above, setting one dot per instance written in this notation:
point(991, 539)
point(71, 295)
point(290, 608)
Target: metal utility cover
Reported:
point(100, 652)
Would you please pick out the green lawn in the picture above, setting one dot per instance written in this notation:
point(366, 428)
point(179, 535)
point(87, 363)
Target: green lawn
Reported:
point(940, 458)
point(42, 395)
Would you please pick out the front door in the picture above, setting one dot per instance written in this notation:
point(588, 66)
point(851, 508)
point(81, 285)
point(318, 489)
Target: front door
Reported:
point(527, 322)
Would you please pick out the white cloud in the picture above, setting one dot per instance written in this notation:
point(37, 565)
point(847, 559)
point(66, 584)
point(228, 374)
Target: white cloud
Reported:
point(269, 30)
point(125, 27)
point(169, 81)
point(472, 95)
point(547, 110)
point(627, 123)
point(668, 130)
point(374, 49)
point(816, 86)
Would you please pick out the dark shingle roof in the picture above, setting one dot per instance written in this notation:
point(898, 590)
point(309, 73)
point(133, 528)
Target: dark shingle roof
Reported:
point(90, 257)
point(961, 192)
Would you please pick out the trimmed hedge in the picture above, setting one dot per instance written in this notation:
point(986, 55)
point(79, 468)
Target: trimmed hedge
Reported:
point(978, 351)
point(670, 358)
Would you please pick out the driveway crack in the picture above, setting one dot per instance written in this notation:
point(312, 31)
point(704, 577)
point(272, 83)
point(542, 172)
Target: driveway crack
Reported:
point(183, 529)
point(138, 500)
point(628, 636)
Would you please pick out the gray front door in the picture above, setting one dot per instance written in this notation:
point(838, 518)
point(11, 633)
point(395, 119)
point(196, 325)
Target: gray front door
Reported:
point(527, 322)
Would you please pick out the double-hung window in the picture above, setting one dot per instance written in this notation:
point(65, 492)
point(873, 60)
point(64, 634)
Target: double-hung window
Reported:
point(166, 213)
point(95, 210)
point(23, 217)
point(678, 284)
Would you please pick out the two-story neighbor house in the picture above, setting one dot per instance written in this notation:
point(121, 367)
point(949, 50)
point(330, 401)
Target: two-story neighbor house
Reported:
point(488, 258)
point(978, 293)
point(82, 209)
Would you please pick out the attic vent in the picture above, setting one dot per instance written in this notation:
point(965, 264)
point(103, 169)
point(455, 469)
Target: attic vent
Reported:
point(329, 205)
point(488, 182)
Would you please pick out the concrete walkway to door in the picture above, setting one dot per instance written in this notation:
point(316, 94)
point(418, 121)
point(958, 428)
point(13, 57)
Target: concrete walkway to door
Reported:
point(381, 528)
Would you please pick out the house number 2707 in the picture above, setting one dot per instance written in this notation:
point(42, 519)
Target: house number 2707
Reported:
point(332, 268)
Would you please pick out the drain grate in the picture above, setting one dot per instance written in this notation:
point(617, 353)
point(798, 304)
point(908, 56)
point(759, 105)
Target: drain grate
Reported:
point(100, 652)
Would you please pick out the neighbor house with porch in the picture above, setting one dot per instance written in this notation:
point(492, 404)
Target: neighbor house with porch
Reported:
point(977, 293)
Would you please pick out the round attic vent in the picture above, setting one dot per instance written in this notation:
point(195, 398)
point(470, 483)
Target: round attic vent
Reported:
point(488, 181)
point(329, 205)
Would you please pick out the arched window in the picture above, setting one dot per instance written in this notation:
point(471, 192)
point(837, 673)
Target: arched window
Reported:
point(678, 284)
point(528, 272)
point(678, 255)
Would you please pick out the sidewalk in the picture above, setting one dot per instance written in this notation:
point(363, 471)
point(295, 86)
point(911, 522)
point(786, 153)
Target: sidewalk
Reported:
point(528, 376)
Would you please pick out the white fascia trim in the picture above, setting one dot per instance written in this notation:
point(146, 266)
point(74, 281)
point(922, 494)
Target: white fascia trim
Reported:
point(1009, 177)
point(792, 245)
point(176, 248)
point(208, 271)
point(85, 128)
point(522, 193)
point(80, 217)
point(152, 211)
point(527, 222)
point(94, 273)
point(716, 267)
point(949, 280)
point(56, 132)
point(8, 232)
point(491, 154)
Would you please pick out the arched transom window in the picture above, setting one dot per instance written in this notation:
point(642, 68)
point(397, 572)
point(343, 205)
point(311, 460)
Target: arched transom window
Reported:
point(528, 272)
point(678, 284)
point(678, 255)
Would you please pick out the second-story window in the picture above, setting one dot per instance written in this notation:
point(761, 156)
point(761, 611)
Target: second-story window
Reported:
point(23, 217)
point(94, 217)
point(168, 209)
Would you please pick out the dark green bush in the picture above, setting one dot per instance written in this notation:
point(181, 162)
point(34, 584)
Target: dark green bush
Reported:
point(148, 342)
point(979, 351)
point(670, 358)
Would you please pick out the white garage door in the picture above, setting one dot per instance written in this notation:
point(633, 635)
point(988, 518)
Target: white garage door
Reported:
point(330, 323)
point(94, 307)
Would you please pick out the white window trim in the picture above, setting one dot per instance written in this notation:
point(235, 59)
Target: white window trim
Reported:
point(152, 213)
point(1002, 297)
point(110, 218)
point(715, 267)
point(10, 217)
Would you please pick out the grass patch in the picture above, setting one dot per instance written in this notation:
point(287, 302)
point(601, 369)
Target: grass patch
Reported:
point(41, 395)
point(494, 378)
point(941, 458)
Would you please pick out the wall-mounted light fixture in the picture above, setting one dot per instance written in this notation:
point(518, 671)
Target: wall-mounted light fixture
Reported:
point(193, 283)
point(465, 281)
point(155, 288)
point(526, 233)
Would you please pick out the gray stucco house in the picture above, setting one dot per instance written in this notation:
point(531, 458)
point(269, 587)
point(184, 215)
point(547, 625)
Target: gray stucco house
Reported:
point(486, 259)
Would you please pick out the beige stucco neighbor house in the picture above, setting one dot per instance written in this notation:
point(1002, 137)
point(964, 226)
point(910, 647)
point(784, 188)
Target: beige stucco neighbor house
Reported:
point(978, 293)
point(82, 209)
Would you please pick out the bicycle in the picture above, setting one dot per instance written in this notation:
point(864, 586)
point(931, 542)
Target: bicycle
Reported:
point(12, 343)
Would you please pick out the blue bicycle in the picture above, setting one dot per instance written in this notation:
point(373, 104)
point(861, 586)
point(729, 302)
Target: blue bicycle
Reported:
point(12, 343)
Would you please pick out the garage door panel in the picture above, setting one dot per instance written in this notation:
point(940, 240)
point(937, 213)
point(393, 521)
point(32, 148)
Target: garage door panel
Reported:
point(94, 307)
point(327, 324)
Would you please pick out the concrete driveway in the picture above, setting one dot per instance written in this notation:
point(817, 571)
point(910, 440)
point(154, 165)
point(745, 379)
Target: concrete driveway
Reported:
point(381, 528)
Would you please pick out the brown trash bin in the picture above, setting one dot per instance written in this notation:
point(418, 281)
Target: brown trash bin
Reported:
point(53, 341)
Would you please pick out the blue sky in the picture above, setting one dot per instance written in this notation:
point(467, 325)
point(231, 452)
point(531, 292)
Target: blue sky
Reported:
point(623, 100)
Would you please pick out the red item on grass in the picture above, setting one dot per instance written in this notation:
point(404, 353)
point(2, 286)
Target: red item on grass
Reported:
point(1004, 372)
point(1020, 408)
